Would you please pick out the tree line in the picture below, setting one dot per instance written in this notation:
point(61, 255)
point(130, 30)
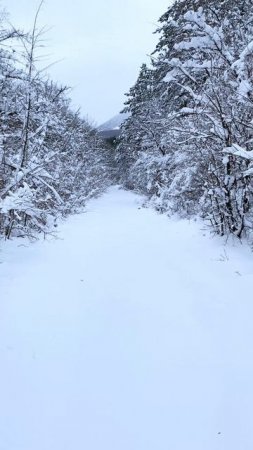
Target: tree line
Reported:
point(51, 159)
point(188, 142)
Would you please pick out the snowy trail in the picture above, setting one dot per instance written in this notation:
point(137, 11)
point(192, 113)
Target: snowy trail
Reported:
point(130, 332)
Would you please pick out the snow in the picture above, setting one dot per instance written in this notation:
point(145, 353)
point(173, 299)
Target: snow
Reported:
point(237, 150)
point(129, 331)
point(114, 123)
point(19, 201)
point(240, 66)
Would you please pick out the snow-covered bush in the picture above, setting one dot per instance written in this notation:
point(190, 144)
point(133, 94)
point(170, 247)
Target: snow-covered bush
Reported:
point(198, 114)
point(51, 160)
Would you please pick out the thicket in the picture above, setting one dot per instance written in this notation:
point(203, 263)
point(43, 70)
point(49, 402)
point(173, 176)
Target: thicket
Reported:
point(51, 159)
point(188, 142)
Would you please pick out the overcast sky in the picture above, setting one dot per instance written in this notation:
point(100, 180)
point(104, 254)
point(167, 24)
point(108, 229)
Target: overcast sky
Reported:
point(100, 44)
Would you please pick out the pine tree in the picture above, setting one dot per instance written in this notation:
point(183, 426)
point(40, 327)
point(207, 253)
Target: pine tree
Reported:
point(202, 92)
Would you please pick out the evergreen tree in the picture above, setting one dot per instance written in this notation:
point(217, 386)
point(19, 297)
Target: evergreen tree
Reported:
point(202, 92)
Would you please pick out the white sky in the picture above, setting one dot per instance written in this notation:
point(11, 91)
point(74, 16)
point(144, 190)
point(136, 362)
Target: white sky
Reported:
point(100, 44)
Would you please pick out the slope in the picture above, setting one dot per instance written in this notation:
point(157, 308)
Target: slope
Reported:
point(114, 123)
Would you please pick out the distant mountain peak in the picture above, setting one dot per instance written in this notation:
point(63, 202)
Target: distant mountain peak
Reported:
point(114, 123)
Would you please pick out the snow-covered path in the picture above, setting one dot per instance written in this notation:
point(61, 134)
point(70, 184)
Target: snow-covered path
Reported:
point(129, 332)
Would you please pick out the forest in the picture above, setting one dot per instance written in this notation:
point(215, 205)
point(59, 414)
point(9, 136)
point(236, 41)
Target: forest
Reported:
point(51, 159)
point(187, 143)
point(126, 265)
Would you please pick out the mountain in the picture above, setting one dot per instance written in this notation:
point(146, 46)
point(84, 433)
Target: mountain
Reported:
point(114, 123)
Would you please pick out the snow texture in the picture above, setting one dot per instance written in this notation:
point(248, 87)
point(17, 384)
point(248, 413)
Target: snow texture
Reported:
point(114, 123)
point(130, 331)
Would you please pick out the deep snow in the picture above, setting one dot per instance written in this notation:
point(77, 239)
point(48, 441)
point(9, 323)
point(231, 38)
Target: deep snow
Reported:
point(128, 332)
